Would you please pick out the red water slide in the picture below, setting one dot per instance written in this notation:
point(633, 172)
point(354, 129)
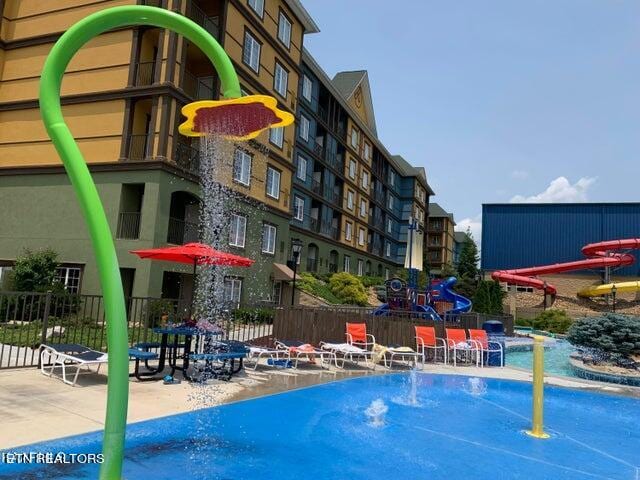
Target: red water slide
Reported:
point(600, 256)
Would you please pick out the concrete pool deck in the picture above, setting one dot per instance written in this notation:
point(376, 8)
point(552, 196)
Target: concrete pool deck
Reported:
point(35, 407)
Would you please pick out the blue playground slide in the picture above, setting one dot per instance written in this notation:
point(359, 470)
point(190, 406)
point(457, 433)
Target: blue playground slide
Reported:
point(422, 310)
point(443, 291)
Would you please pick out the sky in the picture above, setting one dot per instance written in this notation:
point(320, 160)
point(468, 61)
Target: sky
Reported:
point(500, 100)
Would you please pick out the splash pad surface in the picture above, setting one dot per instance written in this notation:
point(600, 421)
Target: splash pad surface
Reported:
point(458, 424)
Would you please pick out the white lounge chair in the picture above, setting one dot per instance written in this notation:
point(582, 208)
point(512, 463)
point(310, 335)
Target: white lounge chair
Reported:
point(348, 352)
point(69, 355)
point(275, 357)
point(296, 349)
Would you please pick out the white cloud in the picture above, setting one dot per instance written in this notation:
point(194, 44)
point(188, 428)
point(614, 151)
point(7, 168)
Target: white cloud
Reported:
point(475, 224)
point(520, 174)
point(560, 190)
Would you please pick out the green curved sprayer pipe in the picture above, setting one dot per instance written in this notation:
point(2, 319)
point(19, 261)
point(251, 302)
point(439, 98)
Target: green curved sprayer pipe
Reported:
point(92, 209)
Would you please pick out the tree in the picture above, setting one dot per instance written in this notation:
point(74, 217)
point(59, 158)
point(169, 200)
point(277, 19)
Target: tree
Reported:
point(488, 298)
point(36, 271)
point(469, 258)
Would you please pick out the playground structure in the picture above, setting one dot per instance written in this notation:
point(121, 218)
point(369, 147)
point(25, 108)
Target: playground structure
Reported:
point(233, 117)
point(607, 254)
point(438, 300)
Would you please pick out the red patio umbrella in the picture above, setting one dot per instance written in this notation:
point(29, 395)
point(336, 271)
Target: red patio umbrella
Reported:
point(194, 254)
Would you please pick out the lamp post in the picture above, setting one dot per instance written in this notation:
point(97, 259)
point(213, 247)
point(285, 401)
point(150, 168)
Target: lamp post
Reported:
point(614, 290)
point(544, 289)
point(296, 248)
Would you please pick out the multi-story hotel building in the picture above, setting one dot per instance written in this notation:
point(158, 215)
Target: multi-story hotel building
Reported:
point(122, 95)
point(351, 199)
point(440, 238)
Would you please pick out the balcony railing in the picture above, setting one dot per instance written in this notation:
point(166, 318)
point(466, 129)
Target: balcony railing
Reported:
point(198, 88)
point(128, 225)
point(323, 114)
point(316, 187)
point(145, 73)
point(139, 146)
point(187, 158)
point(210, 24)
point(181, 231)
point(317, 149)
point(314, 224)
point(312, 264)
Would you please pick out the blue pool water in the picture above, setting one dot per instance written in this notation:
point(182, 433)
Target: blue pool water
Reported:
point(556, 359)
point(460, 428)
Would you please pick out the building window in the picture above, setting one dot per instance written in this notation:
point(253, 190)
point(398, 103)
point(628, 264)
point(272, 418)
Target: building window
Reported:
point(350, 199)
point(392, 178)
point(348, 231)
point(298, 208)
point(389, 225)
point(355, 141)
point(307, 88)
point(273, 183)
point(301, 171)
point(276, 293)
point(390, 202)
point(365, 180)
point(232, 290)
point(304, 128)
point(284, 30)
point(360, 267)
point(361, 236)
point(367, 151)
point(251, 52)
point(388, 250)
point(242, 167)
point(347, 263)
point(269, 233)
point(70, 278)
point(276, 136)
point(238, 230)
point(257, 6)
point(280, 80)
point(363, 208)
point(352, 169)
point(386, 274)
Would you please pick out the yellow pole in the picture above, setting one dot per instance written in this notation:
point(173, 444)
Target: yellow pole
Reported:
point(537, 430)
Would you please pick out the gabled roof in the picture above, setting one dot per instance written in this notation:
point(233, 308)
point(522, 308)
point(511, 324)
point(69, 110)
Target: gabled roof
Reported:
point(347, 84)
point(436, 211)
point(459, 237)
point(303, 15)
point(407, 169)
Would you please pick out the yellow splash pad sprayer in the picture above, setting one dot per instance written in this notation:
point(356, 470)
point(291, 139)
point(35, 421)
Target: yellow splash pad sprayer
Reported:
point(537, 429)
point(234, 117)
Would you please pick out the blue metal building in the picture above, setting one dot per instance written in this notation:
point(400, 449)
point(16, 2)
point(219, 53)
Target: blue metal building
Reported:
point(517, 235)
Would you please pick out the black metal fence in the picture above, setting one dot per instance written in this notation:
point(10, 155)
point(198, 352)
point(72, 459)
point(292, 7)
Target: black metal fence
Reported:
point(28, 320)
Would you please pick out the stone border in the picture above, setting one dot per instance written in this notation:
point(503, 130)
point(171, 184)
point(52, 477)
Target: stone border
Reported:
point(587, 373)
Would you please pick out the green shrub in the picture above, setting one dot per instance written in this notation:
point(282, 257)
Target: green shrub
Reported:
point(310, 284)
point(253, 315)
point(554, 321)
point(35, 271)
point(371, 281)
point(156, 309)
point(613, 335)
point(348, 288)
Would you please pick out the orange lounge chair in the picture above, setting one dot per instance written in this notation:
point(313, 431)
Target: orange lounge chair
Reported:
point(484, 345)
point(357, 335)
point(457, 342)
point(426, 340)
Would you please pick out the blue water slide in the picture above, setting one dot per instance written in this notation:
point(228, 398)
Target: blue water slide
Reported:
point(460, 304)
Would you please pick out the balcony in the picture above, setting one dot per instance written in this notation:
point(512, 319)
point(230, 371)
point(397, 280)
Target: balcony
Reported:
point(181, 232)
point(335, 160)
point(317, 149)
point(198, 88)
point(375, 249)
point(145, 73)
point(323, 114)
point(210, 24)
point(316, 187)
point(138, 146)
point(128, 226)
point(187, 158)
